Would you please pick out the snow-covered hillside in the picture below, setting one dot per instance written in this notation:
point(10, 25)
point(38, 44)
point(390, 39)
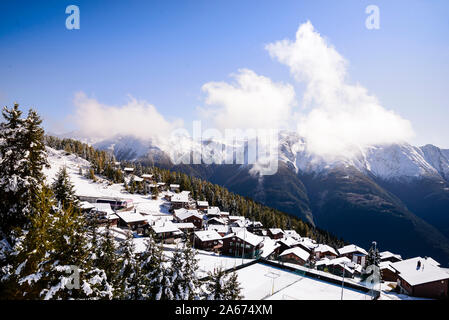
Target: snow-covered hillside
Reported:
point(86, 187)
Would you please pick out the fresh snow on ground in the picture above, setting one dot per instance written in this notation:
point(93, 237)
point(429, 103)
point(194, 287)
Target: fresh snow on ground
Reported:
point(209, 261)
point(259, 281)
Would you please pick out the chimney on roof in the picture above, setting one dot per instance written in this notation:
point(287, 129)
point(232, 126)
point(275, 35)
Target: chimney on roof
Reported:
point(418, 265)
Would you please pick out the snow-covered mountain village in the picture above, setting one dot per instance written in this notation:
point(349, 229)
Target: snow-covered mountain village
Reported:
point(272, 263)
point(147, 238)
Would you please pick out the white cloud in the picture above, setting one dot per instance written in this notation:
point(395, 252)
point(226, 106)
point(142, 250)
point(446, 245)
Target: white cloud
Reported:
point(136, 118)
point(252, 101)
point(342, 117)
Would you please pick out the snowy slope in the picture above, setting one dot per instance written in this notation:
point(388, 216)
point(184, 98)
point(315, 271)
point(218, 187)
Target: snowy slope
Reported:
point(86, 187)
point(438, 158)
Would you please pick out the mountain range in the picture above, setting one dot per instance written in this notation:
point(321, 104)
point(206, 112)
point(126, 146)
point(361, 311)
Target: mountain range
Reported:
point(397, 195)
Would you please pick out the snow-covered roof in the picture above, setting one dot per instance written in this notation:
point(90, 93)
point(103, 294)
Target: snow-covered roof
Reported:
point(276, 231)
point(386, 265)
point(269, 245)
point(308, 243)
point(236, 218)
point(180, 197)
point(289, 242)
point(387, 254)
point(137, 179)
point(237, 229)
point(183, 214)
point(147, 176)
point(164, 227)
point(301, 253)
point(131, 216)
point(161, 183)
point(324, 261)
point(219, 220)
point(112, 216)
point(202, 203)
point(432, 261)
point(103, 207)
point(86, 205)
point(416, 275)
point(213, 211)
point(340, 261)
point(174, 186)
point(292, 233)
point(352, 248)
point(128, 169)
point(208, 235)
point(224, 213)
point(184, 225)
point(325, 248)
point(239, 223)
point(246, 236)
point(343, 262)
point(219, 228)
point(256, 224)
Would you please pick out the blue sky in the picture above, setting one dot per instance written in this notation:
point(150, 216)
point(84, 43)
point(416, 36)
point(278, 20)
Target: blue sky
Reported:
point(164, 51)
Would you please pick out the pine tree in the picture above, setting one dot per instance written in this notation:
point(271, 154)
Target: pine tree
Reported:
point(107, 260)
point(183, 274)
point(372, 259)
point(162, 283)
point(190, 285)
point(70, 252)
point(55, 247)
point(177, 275)
point(155, 192)
point(156, 275)
point(130, 273)
point(216, 285)
point(22, 157)
point(221, 286)
point(63, 189)
point(232, 288)
point(91, 174)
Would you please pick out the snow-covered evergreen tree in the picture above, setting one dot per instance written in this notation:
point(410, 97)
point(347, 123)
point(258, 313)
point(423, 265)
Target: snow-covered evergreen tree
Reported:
point(177, 275)
point(130, 273)
point(52, 257)
point(22, 157)
point(190, 284)
point(162, 283)
point(156, 274)
point(108, 260)
point(216, 285)
point(233, 289)
point(221, 286)
point(63, 189)
point(372, 259)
